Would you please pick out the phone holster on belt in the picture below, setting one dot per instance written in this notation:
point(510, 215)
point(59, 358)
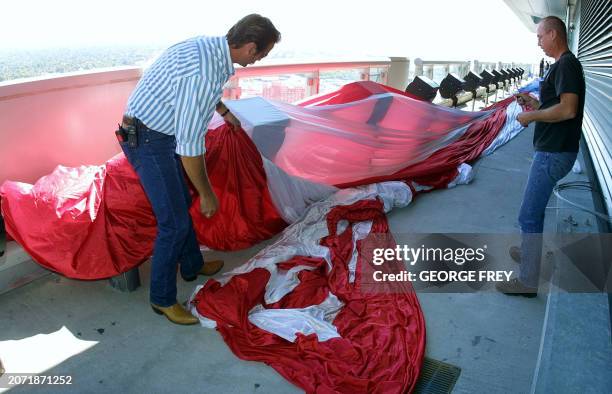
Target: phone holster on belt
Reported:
point(126, 132)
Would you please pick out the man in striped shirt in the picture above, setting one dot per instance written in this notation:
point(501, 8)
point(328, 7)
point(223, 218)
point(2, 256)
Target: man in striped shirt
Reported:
point(170, 110)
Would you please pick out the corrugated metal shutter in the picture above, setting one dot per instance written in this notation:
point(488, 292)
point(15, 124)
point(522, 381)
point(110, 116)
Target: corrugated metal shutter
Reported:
point(595, 54)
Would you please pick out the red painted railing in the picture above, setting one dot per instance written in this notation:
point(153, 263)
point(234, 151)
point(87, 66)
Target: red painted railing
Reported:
point(70, 119)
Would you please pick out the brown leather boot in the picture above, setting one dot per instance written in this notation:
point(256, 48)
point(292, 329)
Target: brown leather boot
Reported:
point(209, 268)
point(514, 287)
point(515, 253)
point(176, 314)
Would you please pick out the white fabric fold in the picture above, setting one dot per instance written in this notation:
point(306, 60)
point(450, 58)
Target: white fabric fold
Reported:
point(510, 129)
point(302, 239)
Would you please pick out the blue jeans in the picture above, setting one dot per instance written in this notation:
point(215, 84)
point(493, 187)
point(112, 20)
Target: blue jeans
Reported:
point(546, 170)
point(161, 176)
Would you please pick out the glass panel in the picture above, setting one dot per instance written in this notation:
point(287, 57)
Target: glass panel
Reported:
point(439, 72)
point(332, 80)
point(378, 74)
point(287, 88)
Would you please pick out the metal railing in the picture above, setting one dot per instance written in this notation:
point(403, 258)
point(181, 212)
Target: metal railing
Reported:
point(428, 67)
point(439, 70)
point(292, 82)
point(479, 66)
point(296, 81)
point(431, 68)
point(67, 104)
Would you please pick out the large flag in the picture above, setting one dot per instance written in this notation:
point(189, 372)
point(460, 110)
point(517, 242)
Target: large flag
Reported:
point(94, 222)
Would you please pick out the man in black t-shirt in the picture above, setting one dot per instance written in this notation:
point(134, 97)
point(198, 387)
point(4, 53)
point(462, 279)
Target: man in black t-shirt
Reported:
point(558, 125)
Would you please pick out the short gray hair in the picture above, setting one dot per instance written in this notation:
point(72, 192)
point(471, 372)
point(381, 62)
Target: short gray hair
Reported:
point(556, 24)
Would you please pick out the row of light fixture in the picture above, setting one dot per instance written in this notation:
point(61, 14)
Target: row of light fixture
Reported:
point(452, 85)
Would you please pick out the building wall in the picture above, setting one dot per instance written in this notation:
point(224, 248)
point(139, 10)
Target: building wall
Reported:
point(591, 41)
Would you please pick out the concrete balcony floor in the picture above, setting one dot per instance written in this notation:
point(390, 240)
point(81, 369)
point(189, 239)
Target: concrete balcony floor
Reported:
point(112, 342)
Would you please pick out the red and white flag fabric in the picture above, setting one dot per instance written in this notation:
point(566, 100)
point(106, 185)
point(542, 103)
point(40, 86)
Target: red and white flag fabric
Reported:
point(323, 174)
point(299, 306)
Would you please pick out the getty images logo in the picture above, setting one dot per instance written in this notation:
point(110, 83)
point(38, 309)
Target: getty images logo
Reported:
point(424, 254)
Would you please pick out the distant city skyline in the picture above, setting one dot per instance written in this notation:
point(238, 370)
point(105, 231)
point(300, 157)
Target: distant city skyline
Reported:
point(434, 29)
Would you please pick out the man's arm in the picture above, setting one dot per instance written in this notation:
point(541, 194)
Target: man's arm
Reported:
point(220, 107)
point(193, 112)
point(195, 167)
point(228, 117)
point(566, 109)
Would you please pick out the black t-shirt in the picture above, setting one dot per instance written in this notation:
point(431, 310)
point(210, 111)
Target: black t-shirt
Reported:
point(564, 76)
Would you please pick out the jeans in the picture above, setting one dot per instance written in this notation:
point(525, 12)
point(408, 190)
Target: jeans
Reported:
point(161, 176)
point(546, 170)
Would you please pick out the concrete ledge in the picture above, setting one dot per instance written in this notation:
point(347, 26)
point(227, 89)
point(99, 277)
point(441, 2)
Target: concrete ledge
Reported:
point(575, 351)
point(575, 354)
point(17, 268)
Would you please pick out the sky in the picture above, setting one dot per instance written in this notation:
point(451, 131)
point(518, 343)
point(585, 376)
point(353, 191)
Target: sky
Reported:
point(486, 30)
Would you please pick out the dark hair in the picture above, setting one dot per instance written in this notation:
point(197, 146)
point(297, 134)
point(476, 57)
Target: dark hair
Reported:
point(253, 28)
point(556, 24)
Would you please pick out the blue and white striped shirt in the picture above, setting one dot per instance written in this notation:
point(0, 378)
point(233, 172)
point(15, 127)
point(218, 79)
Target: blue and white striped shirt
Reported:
point(177, 94)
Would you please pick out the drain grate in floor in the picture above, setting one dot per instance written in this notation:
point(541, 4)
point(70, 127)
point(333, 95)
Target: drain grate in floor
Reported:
point(437, 377)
